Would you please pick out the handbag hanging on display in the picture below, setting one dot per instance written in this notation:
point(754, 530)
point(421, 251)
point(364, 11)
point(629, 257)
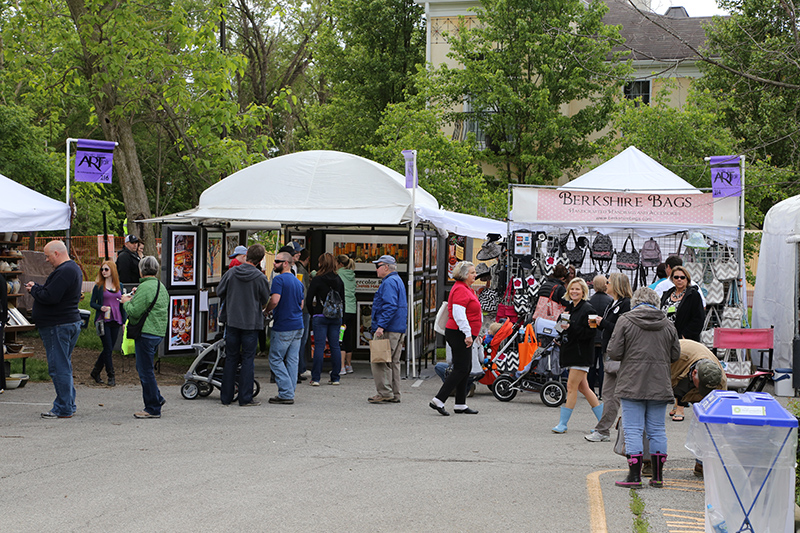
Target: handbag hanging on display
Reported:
point(489, 299)
point(695, 270)
point(715, 292)
point(678, 254)
point(732, 313)
point(547, 308)
point(576, 254)
point(628, 259)
point(733, 364)
point(527, 348)
point(711, 322)
point(726, 268)
point(505, 309)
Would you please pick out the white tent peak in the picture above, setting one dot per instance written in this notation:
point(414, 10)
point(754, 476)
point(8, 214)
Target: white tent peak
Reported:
point(24, 209)
point(632, 171)
point(313, 187)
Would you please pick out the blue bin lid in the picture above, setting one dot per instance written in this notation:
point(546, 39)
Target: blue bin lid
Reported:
point(749, 409)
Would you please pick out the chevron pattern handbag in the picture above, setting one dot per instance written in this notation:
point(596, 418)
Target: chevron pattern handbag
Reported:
point(715, 292)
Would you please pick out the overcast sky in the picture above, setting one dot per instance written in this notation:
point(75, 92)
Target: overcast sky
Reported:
point(695, 8)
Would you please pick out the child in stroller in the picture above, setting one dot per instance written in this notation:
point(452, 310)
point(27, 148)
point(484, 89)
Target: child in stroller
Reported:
point(542, 374)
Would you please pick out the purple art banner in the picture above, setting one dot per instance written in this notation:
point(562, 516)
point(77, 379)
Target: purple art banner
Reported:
point(726, 179)
point(94, 161)
point(411, 168)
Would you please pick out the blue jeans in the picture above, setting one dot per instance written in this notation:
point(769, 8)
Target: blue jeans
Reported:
point(146, 346)
point(640, 415)
point(105, 358)
point(326, 328)
point(301, 361)
point(240, 348)
point(284, 350)
point(59, 341)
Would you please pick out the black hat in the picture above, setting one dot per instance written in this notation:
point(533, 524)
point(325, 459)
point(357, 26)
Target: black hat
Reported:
point(482, 269)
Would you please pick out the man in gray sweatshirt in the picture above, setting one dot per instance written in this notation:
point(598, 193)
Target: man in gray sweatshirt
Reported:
point(244, 291)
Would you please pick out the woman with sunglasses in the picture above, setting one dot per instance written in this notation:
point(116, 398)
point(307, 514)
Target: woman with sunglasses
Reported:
point(108, 310)
point(683, 305)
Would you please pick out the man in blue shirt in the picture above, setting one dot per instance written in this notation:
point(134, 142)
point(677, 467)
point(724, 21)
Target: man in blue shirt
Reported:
point(389, 316)
point(55, 313)
point(286, 304)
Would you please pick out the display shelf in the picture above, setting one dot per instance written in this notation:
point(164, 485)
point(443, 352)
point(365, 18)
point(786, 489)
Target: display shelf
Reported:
point(11, 243)
point(11, 332)
point(12, 272)
point(18, 329)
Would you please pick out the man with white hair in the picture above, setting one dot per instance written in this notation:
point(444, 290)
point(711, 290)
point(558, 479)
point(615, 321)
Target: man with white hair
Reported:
point(55, 313)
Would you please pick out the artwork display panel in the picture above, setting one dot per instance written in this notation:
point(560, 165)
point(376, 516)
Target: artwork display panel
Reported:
point(431, 296)
point(364, 249)
point(417, 317)
point(433, 245)
point(182, 313)
point(214, 257)
point(183, 259)
point(231, 242)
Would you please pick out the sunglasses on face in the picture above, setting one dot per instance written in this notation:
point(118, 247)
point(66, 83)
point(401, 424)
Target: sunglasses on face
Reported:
point(678, 277)
point(279, 261)
point(378, 266)
point(105, 269)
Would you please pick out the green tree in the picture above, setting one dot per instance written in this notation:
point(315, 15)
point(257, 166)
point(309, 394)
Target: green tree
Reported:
point(447, 169)
point(521, 64)
point(365, 57)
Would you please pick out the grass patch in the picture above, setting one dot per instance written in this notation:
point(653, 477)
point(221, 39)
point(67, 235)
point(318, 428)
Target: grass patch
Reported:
point(640, 524)
point(35, 368)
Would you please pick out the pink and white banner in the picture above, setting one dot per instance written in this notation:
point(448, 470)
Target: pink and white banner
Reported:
point(596, 208)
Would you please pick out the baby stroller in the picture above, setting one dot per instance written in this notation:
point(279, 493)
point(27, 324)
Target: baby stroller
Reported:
point(206, 370)
point(500, 351)
point(543, 374)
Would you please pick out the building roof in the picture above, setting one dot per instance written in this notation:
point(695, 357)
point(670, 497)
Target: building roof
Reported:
point(648, 41)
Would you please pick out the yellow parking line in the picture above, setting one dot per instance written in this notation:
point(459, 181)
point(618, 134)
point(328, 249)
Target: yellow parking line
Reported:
point(687, 521)
point(597, 510)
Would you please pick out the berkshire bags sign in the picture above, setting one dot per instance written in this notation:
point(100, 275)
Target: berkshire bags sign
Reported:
point(614, 207)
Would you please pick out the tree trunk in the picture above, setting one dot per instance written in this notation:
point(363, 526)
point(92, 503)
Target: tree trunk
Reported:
point(104, 98)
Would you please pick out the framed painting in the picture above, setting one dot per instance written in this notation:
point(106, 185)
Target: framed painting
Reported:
point(431, 296)
point(417, 317)
point(419, 253)
point(364, 249)
point(433, 244)
point(231, 242)
point(364, 323)
point(212, 328)
point(182, 313)
point(183, 259)
point(214, 258)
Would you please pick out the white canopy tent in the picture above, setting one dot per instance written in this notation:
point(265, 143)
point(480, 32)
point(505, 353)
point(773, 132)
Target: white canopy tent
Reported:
point(24, 209)
point(630, 172)
point(775, 299)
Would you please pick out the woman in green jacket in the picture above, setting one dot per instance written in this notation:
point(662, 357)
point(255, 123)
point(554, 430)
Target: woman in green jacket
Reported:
point(149, 292)
point(345, 267)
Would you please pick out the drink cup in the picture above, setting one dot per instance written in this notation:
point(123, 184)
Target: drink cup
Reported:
point(592, 321)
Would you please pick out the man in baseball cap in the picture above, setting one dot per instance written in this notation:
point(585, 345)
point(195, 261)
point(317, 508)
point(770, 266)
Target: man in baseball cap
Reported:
point(128, 260)
point(238, 256)
point(389, 315)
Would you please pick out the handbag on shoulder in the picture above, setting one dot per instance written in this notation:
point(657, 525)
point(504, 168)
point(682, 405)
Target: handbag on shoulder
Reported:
point(134, 330)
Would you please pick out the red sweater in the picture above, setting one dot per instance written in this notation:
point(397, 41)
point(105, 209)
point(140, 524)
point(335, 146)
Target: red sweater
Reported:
point(464, 296)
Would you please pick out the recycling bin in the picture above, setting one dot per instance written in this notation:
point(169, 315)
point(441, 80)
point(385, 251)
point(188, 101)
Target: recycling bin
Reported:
point(748, 445)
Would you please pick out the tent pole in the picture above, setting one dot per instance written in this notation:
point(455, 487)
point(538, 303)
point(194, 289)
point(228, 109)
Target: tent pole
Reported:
point(411, 344)
point(743, 267)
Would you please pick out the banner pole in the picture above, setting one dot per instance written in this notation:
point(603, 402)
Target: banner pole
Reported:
point(69, 140)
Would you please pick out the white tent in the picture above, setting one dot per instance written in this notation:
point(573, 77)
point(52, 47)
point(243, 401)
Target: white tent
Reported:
point(776, 293)
point(632, 171)
point(318, 187)
point(24, 209)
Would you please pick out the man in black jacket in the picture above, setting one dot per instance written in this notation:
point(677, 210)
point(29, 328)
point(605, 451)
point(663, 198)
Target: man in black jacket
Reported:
point(128, 260)
point(55, 312)
point(244, 291)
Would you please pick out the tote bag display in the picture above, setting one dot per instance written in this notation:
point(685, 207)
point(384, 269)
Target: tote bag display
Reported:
point(547, 308)
point(628, 259)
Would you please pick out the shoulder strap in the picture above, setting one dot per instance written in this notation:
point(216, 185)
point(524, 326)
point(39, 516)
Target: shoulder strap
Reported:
point(158, 289)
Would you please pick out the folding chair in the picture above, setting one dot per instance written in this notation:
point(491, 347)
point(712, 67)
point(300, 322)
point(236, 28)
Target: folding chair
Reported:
point(761, 340)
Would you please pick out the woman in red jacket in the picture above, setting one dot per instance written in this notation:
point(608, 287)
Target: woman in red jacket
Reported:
point(465, 319)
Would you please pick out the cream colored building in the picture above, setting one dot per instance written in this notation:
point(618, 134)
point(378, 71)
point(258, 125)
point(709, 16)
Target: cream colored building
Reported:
point(656, 55)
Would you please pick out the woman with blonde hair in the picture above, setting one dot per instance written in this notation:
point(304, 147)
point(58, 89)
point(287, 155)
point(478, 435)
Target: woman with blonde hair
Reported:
point(345, 268)
point(108, 312)
point(577, 351)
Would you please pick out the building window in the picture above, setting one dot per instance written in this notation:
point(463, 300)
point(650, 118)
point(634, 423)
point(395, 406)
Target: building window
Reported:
point(470, 124)
point(638, 89)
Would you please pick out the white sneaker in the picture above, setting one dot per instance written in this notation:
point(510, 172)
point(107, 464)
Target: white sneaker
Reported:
point(342, 372)
point(596, 436)
point(306, 374)
point(315, 383)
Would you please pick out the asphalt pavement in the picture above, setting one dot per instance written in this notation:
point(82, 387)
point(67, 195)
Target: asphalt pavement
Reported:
point(330, 462)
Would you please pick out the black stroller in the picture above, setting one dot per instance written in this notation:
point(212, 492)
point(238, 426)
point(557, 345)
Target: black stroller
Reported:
point(543, 374)
point(206, 370)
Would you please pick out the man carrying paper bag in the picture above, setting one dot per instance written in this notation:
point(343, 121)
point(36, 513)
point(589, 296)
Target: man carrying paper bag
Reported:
point(389, 315)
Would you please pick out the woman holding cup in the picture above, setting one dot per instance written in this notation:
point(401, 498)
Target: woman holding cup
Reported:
point(108, 312)
point(577, 351)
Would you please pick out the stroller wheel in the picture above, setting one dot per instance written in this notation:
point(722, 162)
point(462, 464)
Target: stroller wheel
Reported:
point(553, 393)
point(502, 389)
point(256, 390)
point(190, 390)
point(204, 389)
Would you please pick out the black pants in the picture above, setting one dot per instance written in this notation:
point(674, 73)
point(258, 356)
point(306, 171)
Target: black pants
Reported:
point(462, 364)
